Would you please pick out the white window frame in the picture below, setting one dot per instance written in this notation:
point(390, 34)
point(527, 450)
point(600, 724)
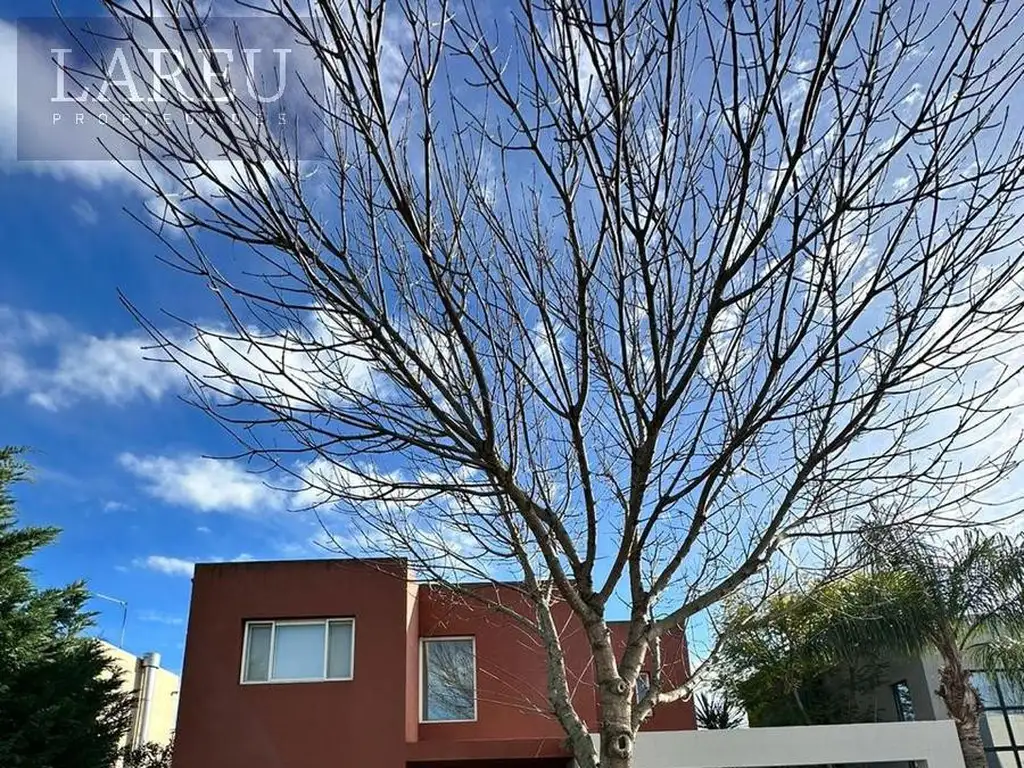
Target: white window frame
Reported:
point(636, 688)
point(274, 624)
point(423, 673)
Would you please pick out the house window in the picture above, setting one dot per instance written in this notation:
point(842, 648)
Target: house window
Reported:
point(448, 684)
point(643, 685)
point(1002, 719)
point(298, 651)
point(904, 701)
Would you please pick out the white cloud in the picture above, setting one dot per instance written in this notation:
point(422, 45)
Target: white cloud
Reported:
point(177, 566)
point(902, 184)
point(206, 484)
point(79, 366)
point(915, 96)
point(84, 212)
point(171, 566)
point(202, 529)
point(728, 352)
point(158, 617)
point(313, 366)
point(114, 369)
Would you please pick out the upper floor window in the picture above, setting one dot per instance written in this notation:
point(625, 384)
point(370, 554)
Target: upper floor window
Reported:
point(298, 651)
point(448, 687)
point(903, 700)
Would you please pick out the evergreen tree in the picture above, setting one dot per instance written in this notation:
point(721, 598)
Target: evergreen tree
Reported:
point(61, 704)
point(149, 755)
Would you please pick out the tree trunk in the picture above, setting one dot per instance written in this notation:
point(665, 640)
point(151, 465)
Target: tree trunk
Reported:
point(617, 736)
point(964, 707)
point(615, 699)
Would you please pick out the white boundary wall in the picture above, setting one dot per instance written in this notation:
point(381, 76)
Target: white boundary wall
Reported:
point(932, 742)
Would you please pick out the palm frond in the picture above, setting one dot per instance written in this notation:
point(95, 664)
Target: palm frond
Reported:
point(1004, 655)
point(993, 606)
point(716, 713)
point(887, 549)
point(969, 569)
point(874, 613)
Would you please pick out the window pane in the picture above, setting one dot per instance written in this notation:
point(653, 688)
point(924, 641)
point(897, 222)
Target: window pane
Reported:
point(904, 701)
point(1013, 695)
point(339, 649)
point(643, 685)
point(1016, 720)
point(449, 680)
point(993, 729)
point(257, 661)
point(299, 652)
point(1001, 759)
point(986, 689)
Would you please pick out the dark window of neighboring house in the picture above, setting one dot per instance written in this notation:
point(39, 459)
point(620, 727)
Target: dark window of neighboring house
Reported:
point(904, 701)
point(1002, 719)
point(643, 685)
point(448, 687)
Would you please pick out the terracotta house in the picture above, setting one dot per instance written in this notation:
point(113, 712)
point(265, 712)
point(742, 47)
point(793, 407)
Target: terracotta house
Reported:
point(303, 664)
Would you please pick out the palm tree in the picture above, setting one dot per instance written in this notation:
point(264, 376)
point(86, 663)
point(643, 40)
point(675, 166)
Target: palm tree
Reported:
point(963, 599)
point(716, 713)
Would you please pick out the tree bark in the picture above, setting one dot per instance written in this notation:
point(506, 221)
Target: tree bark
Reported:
point(617, 736)
point(615, 699)
point(964, 707)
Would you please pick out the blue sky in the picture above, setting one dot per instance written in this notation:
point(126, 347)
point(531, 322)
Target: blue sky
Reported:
point(115, 451)
point(116, 454)
point(119, 458)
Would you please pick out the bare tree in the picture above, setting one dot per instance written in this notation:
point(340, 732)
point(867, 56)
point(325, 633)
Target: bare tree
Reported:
point(627, 300)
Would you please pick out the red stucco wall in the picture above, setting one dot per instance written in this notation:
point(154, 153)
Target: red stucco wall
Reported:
point(224, 724)
point(512, 673)
point(372, 720)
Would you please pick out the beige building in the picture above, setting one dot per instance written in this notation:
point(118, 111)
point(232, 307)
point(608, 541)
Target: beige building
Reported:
point(156, 696)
